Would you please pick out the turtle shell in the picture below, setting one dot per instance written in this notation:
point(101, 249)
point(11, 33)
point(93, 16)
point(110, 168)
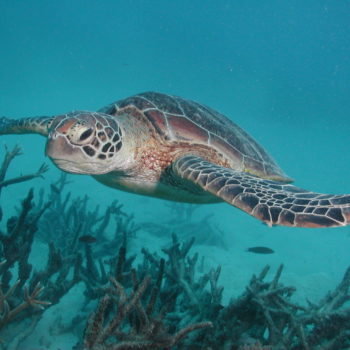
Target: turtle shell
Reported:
point(180, 120)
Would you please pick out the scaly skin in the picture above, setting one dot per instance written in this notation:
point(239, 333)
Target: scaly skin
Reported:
point(270, 201)
point(34, 125)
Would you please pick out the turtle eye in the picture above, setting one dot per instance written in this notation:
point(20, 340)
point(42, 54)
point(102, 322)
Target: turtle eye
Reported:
point(82, 137)
point(85, 134)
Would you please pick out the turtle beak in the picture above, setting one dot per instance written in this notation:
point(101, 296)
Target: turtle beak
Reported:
point(65, 156)
point(58, 147)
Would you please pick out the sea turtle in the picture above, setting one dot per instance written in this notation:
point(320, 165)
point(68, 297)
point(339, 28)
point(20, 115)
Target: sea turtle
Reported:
point(172, 148)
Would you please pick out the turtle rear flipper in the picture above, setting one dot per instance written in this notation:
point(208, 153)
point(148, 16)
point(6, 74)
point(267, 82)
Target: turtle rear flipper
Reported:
point(273, 202)
point(35, 125)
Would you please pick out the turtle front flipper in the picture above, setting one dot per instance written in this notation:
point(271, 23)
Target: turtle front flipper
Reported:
point(35, 125)
point(273, 202)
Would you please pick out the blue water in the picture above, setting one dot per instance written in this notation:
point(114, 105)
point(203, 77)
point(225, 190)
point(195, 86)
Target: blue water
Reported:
point(281, 70)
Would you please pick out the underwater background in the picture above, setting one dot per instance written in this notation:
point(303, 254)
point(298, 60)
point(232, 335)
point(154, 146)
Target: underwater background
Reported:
point(279, 69)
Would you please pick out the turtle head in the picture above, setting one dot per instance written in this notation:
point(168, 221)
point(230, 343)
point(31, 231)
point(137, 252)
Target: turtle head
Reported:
point(84, 142)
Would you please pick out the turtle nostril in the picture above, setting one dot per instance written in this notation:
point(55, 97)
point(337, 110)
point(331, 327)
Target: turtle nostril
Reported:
point(85, 134)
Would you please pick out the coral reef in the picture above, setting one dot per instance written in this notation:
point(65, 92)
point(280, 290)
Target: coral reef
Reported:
point(153, 300)
point(16, 299)
point(262, 318)
point(265, 312)
point(73, 219)
point(144, 331)
point(24, 292)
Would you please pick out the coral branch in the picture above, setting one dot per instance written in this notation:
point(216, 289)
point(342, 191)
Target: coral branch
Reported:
point(9, 156)
point(132, 326)
point(30, 299)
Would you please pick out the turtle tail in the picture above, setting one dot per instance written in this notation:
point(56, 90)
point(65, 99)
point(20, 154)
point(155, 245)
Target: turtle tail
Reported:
point(272, 202)
point(35, 125)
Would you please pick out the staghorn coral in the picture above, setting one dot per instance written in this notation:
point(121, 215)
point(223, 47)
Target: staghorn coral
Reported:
point(30, 299)
point(197, 297)
point(20, 300)
point(265, 313)
point(263, 317)
point(73, 218)
point(171, 298)
point(134, 320)
point(16, 247)
point(8, 158)
point(67, 220)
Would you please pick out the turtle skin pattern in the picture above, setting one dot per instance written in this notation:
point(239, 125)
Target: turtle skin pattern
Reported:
point(34, 125)
point(272, 202)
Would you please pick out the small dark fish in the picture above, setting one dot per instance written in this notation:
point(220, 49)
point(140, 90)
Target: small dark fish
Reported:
point(87, 239)
point(260, 250)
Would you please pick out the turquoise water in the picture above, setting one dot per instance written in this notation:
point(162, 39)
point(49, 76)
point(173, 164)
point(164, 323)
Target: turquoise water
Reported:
point(281, 70)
